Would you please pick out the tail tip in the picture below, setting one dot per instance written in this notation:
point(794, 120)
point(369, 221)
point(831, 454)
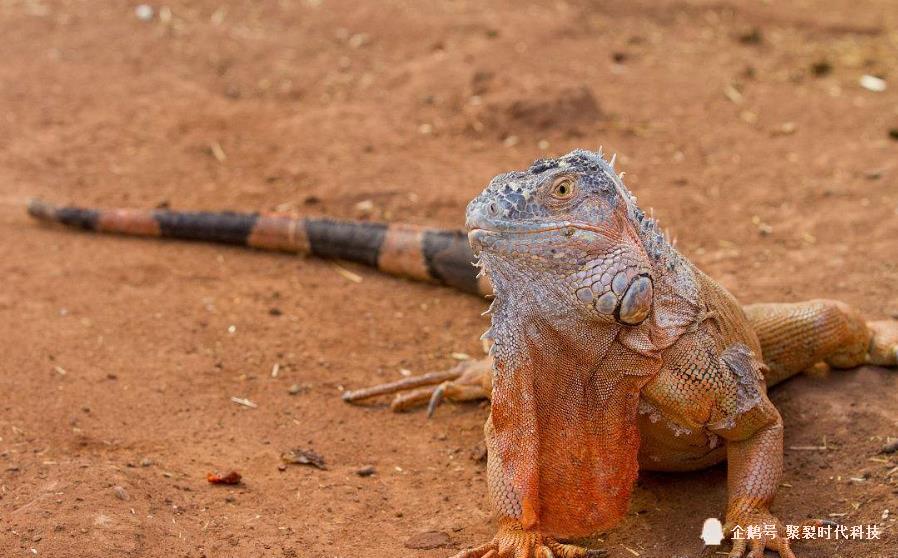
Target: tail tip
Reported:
point(40, 209)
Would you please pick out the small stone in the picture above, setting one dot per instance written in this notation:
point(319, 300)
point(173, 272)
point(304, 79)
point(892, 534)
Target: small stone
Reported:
point(366, 471)
point(872, 83)
point(358, 40)
point(304, 456)
point(230, 498)
point(478, 453)
point(891, 447)
point(121, 493)
point(821, 68)
point(751, 36)
point(146, 462)
point(282, 467)
point(294, 389)
point(365, 206)
point(428, 540)
point(36, 538)
point(275, 311)
point(144, 12)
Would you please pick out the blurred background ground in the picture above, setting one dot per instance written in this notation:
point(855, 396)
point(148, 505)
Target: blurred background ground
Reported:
point(742, 123)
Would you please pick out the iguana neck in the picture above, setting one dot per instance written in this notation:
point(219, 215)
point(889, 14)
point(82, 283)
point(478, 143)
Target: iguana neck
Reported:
point(564, 417)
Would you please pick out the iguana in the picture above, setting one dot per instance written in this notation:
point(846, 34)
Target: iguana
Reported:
point(610, 352)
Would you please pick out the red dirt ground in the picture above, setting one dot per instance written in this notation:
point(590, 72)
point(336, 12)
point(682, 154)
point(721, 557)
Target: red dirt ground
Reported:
point(742, 124)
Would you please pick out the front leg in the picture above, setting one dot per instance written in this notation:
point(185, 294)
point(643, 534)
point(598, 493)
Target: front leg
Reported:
point(754, 471)
point(514, 538)
point(753, 430)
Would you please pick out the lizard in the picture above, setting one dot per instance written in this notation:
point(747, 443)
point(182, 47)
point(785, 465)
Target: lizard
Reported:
point(610, 352)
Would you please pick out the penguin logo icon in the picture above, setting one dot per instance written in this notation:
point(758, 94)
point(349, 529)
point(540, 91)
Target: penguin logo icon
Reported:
point(712, 532)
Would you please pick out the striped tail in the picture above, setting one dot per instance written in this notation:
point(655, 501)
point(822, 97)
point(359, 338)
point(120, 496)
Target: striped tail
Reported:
point(420, 253)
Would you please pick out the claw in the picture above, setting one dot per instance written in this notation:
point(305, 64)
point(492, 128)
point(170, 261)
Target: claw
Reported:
point(436, 398)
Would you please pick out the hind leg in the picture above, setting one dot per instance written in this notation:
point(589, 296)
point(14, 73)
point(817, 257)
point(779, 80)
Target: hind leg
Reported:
point(796, 336)
point(468, 381)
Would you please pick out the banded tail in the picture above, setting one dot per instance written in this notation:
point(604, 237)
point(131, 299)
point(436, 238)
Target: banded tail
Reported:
point(421, 253)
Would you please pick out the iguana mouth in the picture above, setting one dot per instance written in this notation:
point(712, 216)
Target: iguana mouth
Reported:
point(477, 235)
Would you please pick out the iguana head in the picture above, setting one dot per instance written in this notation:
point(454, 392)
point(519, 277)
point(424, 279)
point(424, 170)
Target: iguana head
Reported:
point(568, 228)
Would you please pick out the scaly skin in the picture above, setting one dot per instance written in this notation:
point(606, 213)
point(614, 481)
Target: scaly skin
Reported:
point(610, 351)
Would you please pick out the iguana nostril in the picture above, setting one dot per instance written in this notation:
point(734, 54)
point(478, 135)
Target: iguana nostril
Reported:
point(637, 301)
point(493, 209)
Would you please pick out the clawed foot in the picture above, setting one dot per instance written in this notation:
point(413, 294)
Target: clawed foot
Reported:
point(468, 381)
point(884, 346)
point(757, 531)
point(513, 542)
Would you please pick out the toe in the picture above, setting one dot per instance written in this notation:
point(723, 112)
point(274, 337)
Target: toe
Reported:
point(738, 549)
point(884, 346)
point(561, 550)
point(487, 550)
point(757, 548)
point(403, 385)
point(781, 545)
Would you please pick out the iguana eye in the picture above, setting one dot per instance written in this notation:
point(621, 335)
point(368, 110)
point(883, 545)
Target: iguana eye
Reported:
point(563, 188)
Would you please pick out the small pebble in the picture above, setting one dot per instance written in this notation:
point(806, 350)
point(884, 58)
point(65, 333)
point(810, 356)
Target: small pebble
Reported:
point(146, 462)
point(144, 12)
point(752, 36)
point(230, 498)
point(366, 471)
point(295, 389)
point(120, 493)
point(821, 68)
point(282, 467)
point(873, 83)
